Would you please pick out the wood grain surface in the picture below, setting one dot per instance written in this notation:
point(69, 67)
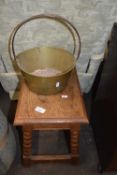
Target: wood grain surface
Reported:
point(58, 109)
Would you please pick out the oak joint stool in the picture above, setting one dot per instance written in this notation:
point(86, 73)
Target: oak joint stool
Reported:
point(63, 111)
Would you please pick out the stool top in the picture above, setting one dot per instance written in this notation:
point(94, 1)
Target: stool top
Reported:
point(67, 106)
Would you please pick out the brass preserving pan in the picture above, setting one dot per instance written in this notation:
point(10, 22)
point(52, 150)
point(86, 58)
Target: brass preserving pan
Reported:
point(46, 57)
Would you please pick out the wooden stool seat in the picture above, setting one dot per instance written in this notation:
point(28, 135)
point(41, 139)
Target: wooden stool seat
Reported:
point(63, 111)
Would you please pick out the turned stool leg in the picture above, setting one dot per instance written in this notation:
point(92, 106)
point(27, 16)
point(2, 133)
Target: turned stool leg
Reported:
point(27, 145)
point(74, 144)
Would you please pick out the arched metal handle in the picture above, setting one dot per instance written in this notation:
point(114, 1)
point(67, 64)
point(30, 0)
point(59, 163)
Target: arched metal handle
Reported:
point(57, 18)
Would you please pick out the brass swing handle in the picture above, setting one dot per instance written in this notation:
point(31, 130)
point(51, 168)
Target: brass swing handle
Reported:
point(60, 19)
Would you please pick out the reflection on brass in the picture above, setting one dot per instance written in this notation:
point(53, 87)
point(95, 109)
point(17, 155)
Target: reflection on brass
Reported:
point(46, 58)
